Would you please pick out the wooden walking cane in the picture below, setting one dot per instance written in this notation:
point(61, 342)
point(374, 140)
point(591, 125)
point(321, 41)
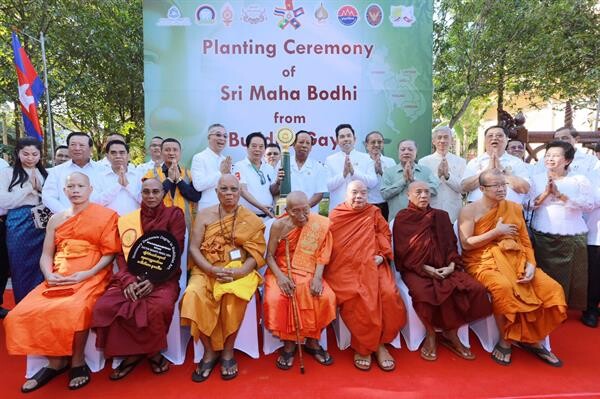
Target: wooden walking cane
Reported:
point(294, 307)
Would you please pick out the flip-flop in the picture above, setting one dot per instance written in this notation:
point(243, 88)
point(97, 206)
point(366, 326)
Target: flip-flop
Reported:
point(228, 364)
point(503, 351)
point(44, 376)
point(157, 365)
point(542, 353)
point(77, 372)
point(429, 356)
point(388, 368)
point(283, 359)
point(198, 375)
point(124, 369)
point(315, 352)
point(450, 345)
point(357, 362)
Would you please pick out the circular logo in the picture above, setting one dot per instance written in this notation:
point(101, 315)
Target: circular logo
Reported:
point(374, 15)
point(128, 237)
point(285, 136)
point(154, 256)
point(347, 15)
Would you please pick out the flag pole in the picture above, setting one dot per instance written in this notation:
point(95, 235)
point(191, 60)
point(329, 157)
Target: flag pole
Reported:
point(49, 126)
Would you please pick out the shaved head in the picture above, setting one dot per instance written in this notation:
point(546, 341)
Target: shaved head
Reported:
point(356, 194)
point(355, 185)
point(151, 183)
point(419, 194)
point(78, 176)
point(489, 174)
point(228, 179)
point(297, 208)
point(296, 198)
point(414, 186)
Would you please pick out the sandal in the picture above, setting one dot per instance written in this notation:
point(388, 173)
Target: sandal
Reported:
point(362, 363)
point(458, 351)
point(124, 369)
point(542, 353)
point(380, 362)
point(430, 356)
point(198, 374)
point(282, 361)
point(44, 376)
point(158, 365)
point(228, 365)
point(503, 351)
point(326, 359)
point(78, 372)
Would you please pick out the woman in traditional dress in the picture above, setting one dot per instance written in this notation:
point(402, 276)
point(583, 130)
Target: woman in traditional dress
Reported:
point(561, 198)
point(20, 190)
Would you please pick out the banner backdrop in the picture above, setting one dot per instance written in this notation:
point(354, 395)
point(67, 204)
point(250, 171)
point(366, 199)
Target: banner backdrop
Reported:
point(262, 65)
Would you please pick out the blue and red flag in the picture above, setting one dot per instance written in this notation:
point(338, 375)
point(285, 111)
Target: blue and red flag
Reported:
point(31, 89)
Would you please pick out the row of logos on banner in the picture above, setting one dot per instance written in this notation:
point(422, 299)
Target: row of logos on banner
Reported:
point(290, 15)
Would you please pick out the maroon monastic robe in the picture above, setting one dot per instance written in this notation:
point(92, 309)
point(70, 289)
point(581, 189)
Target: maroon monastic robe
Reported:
point(425, 237)
point(127, 328)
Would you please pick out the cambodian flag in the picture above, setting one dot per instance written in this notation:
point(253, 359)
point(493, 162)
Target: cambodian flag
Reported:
point(31, 89)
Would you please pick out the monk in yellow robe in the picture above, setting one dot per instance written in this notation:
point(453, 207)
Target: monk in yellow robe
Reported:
point(527, 303)
point(226, 247)
point(176, 180)
point(360, 274)
point(309, 244)
point(53, 320)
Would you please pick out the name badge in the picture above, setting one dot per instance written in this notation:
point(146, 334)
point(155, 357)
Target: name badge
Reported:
point(235, 254)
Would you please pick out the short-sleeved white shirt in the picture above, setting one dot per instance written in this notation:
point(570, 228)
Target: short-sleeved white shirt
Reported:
point(311, 179)
point(246, 174)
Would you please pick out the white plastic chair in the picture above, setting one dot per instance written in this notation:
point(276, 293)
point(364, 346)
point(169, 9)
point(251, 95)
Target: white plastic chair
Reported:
point(344, 337)
point(247, 338)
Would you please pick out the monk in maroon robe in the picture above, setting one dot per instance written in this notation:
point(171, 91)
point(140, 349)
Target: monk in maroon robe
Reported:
point(133, 316)
point(443, 295)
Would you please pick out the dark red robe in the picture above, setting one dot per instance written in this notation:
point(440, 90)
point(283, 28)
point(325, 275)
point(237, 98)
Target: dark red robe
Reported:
point(426, 237)
point(127, 328)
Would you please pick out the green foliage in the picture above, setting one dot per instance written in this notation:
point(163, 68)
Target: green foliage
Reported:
point(94, 50)
point(539, 49)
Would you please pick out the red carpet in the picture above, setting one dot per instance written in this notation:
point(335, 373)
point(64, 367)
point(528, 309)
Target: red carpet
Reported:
point(448, 377)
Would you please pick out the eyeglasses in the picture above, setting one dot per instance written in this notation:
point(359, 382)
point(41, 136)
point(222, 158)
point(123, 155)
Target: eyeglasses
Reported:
point(218, 135)
point(496, 186)
point(262, 177)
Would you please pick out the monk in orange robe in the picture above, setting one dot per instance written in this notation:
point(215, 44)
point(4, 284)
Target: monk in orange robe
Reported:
point(527, 303)
point(227, 246)
point(53, 320)
point(309, 244)
point(359, 273)
point(443, 295)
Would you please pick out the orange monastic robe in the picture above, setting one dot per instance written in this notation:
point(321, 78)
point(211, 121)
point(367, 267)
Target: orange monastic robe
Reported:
point(45, 322)
point(367, 294)
point(532, 310)
point(309, 246)
point(219, 317)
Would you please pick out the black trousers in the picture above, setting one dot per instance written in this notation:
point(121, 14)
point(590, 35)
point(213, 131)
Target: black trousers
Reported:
point(385, 211)
point(4, 269)
point(593, 296)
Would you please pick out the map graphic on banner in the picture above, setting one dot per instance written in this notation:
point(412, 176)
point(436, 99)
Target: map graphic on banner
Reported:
point(307, 65)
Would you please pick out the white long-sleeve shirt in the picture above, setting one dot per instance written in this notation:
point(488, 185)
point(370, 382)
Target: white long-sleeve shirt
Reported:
point(18, 196)
point(563, 218)
point(206, 172)
point(53, 195)
point(113, 195)
point(364, 170)
point(449, 192)
point(477, 165)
